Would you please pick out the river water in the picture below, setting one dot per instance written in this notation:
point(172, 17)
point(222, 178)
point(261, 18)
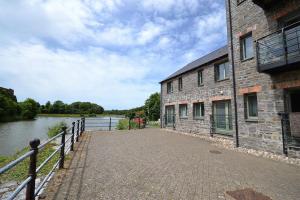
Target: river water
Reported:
point(16, 135)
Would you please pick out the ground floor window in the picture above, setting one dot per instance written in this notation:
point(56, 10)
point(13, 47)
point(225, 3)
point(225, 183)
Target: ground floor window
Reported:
point(251, 106)
point(183, 111)
point(198, 110)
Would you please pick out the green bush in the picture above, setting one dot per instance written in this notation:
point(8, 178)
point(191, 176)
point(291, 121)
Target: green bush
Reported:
point(123, 124)
point(56, 129)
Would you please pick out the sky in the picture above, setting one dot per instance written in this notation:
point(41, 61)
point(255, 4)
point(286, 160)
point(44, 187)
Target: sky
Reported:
point(110, 52)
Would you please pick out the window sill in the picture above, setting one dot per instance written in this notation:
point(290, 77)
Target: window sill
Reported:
point(183, 117)
point(201, 85)
point(198, 118)
point(254, 120)
point(226, 79)
point(247, 59)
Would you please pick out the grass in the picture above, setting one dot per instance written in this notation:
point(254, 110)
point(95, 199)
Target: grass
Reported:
point(20, 171)
point(56, 129)
point(123, 124)
point(154, 124)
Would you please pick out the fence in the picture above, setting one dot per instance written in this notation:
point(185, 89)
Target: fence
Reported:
point(221, 124)
point(101, 123)
point(290, 133)
point(35, 147)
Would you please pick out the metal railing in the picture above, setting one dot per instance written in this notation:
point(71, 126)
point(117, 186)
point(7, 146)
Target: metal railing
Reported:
point(221, 124)
point(101, 123)
point(170, 120)
point(279, 48)
point(290, 138)
point(35, 147)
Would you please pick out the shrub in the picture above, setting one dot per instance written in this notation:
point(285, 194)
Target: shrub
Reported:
point(56, 129)
point(123, 124)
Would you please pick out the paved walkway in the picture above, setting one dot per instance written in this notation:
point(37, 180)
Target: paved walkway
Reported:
point(155, 164)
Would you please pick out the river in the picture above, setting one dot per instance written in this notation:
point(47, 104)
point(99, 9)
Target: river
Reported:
point(16, 135)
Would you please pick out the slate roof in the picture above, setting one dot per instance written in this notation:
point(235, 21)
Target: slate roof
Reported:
point(223, 51)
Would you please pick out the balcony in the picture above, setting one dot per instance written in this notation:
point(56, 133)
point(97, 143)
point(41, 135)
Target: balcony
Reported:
point(279, 51)
point(266, 4)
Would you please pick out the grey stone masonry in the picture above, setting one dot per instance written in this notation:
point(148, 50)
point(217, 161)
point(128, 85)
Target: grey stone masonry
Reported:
point(209, 92)
point(266, 132)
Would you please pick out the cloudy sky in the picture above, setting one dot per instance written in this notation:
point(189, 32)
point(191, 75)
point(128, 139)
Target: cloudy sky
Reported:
point(111, 52)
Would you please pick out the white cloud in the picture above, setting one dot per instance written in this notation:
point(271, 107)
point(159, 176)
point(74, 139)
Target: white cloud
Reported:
point(96, 75)
point(113, 52)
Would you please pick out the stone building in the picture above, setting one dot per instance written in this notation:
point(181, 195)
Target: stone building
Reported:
point(261, 93)
point(200, 94)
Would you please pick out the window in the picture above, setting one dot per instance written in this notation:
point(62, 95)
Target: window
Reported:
point(169, 87)
point(222, 71)
point(251, 106)
point(198, 111)
point(183, 110)
point(247, 47)
point(180, 84)
point(200, 77)
point(240, 1)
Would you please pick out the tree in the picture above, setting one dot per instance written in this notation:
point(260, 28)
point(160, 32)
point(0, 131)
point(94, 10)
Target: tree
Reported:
point(29, 108)
point(152, 107)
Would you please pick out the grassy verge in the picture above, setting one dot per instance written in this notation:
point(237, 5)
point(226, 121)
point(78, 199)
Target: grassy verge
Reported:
point(56, 129)
point(20, 171)
point(154, 124)
point(123, 124)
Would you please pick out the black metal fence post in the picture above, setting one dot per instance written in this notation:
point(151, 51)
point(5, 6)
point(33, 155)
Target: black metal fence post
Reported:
point(77, 135)
point(62, 150)
point(212, 125)
point(32, 169)
point(110, 123)
point(83, 124)
point(72, 137)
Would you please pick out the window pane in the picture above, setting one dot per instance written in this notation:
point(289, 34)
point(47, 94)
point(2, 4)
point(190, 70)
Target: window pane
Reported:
point(200, 79)
point(198, 110)
point(183, 110)
point(252, 106)
point(247, 47)
point(221, 72)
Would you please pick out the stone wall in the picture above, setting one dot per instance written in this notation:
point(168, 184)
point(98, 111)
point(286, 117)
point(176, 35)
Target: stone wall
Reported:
point(210, 91)
point(265, 133)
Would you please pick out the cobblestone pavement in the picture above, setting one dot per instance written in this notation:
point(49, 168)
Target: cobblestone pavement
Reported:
point(155, 164)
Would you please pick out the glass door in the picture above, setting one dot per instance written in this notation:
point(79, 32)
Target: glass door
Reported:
point(222, 116)
point(170, 115)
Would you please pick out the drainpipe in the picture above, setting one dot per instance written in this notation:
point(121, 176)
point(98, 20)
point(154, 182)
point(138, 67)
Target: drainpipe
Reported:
point(161, 104)
point(237, 143)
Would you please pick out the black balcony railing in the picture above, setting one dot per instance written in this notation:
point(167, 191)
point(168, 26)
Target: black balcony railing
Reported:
point(279, 50)
point(266, 4)
point(221, 124)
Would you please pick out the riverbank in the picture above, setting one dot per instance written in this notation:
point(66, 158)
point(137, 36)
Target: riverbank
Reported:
point(20, 171)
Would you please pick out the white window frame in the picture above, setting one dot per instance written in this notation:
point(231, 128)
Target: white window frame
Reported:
point(226, 71)
point(244, 55)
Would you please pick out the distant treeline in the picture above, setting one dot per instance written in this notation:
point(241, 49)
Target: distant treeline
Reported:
point(150, 110)
point(11, 109)
point(59, 107)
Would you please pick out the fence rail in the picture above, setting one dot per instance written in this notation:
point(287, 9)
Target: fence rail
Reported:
point(35, 147)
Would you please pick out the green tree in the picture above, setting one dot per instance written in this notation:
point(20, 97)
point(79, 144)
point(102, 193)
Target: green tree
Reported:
point(152, 107)
point(29, 109)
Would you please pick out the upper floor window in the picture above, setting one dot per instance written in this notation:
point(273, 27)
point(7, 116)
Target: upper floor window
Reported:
point(200, 78)
point(222, 71)
point(169, 87)
point(247, 47)
point(198, 111)
point(183, 111)
point(251, 106)
point(180, 83)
